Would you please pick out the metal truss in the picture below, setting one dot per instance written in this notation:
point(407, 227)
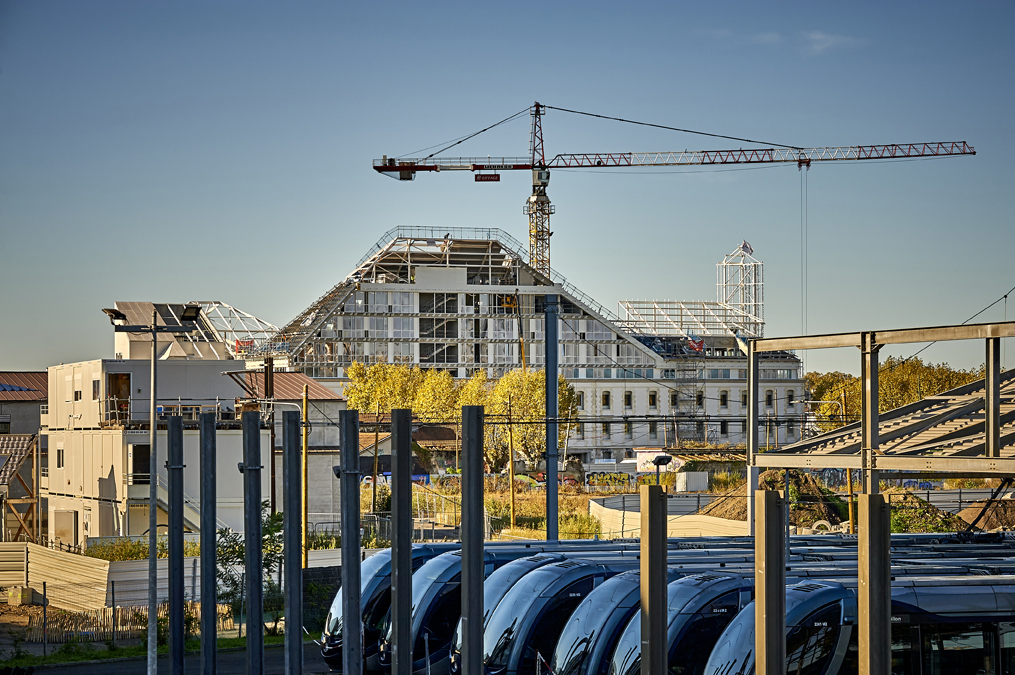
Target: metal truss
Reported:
point(240, 331)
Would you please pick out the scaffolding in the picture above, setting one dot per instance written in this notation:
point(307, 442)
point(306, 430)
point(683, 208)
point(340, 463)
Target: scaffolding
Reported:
point(240, 331)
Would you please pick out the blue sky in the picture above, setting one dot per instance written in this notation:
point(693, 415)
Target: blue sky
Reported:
point(222, 150)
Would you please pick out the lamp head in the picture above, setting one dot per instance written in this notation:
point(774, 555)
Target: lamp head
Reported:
point(116, 317)
point(190, 313)
point(662, 460)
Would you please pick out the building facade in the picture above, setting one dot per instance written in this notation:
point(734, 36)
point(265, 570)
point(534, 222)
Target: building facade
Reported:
point(465, 299)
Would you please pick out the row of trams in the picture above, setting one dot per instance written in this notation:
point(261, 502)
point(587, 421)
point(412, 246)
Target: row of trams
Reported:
point(572, 608)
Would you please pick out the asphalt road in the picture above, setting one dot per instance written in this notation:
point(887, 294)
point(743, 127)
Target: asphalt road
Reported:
point(229, 663)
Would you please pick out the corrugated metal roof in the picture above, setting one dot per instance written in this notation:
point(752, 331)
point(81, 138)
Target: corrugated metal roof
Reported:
point(289, 387)
point(24, 386)
point(14, 448)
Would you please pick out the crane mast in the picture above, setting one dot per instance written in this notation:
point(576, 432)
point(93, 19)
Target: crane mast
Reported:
point(538, 207)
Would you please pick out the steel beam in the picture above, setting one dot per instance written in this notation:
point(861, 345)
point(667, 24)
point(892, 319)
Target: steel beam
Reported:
point(753, 416)
point(874, 587)
point(769, 584)
point(992, 398)
point(253, 540)
point(891, 337)
point(653, 580)
point(352, 629)
point(472, 539)
point(174, 467)
point(780, 460)
point(552, 410)
point(869, 411)
point(401, 541)
point(209, 531)
point(292, 514)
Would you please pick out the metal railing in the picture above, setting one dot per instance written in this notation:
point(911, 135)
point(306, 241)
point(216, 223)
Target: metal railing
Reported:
point(191, 502)
point(124, 410)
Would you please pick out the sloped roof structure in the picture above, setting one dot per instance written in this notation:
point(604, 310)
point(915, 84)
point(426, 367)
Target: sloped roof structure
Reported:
point(24, 386)
point(950, 424)
point(14, 448)
point(289, 387)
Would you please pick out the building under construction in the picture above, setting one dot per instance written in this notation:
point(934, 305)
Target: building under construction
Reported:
point(656, 374)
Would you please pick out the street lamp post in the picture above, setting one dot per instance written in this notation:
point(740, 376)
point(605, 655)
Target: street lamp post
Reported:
point(660, 461)
point(190, 314)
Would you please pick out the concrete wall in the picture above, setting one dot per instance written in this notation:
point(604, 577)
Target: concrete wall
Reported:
point(25, 415)
point(324, 496)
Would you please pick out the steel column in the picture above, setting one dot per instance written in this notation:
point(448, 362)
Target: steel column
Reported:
point(752, 431)
point(552, 412)
point(252, 541)
point(292, 514)
point(770, 584)
point(401, 541)
point(153, 508)
point(209, 592)
point(352, 632)
point(869, 411)
point(874, 587)
point(992, 399)
point(174, 467)
point(653, 579)
point(472, 539)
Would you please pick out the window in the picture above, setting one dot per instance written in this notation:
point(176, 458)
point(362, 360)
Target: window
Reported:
point(606, 429)
point(59, 457)
point(669, 374)
point(95, 390)
point(673, 399)
point(607, 454)
point(724, 399)
point(653, 429)
point(700, 399)
point(77, 394)
point(628, 430)
point(378, 326)
point(401, 303)
point(652, 398)
point(438, 328)
point(402, 327)
point(606, 399)
point(790, 398)
point(743, 398)
point(438, 353)
point(579, 430)
point(438, 303)
point(628, 399)
point(724, 428)
point(581, 400)
point(5, 427)
point(791, 430)
point(769, 398)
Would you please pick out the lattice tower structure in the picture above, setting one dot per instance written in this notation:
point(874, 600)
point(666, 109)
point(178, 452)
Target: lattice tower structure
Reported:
point(740, 288)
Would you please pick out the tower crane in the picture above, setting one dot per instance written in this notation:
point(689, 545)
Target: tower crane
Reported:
point(539, 209)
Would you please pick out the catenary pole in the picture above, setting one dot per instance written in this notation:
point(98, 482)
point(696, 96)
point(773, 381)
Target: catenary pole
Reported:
point(552, 410)
point(209, 592)
point(174, 467)
point(153, 510)
point(292, 499)
point(472, 539)
point(252, 541)
point(352, 632)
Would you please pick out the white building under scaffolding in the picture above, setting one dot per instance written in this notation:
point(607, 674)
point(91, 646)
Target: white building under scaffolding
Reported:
point(660, 373)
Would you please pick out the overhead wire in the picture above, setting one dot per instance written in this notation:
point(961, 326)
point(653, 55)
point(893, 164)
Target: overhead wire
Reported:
point(462, 139)
point(669, 128)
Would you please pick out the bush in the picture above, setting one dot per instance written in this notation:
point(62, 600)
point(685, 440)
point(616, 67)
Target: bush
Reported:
point(129, 548)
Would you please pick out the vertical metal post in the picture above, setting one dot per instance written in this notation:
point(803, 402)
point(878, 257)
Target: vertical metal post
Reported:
point(874, 587)
point(209, 591)
point(293, 531)
point(751, 430)
point(401, 541)
point(269, 393)
point(45, 619)
point(770, 584)
point(112, 602)
point(174, 467)
point(869, 411)
point(472, 538)
point(552, 411)
point(305, 487)
point(252, 541)
point(653, 579)
point(992, 399)
point(352, 632)
point(153, 509)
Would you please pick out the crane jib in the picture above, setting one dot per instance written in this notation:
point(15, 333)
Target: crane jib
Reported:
point(688, 157)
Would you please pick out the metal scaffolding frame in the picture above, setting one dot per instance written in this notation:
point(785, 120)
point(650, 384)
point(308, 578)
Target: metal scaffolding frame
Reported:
point(240, 331)
point(967, 431)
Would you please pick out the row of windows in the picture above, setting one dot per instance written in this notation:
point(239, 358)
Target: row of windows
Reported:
point(653, 399)
point(627, 428)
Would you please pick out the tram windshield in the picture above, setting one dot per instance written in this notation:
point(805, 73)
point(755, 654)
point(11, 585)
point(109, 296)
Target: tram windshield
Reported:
point(369, 569)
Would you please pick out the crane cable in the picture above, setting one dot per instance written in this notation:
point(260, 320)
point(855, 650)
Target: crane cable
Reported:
point(663, 126)
point(473, 135)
